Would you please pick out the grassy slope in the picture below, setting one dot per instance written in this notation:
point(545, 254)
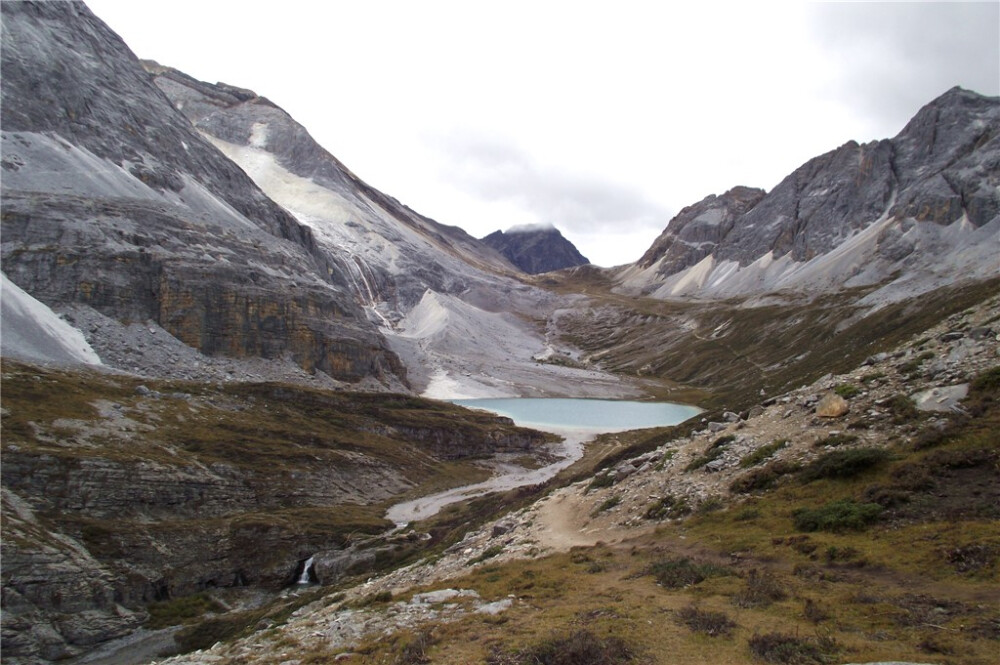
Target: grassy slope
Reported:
point(921, 584)
point(269, 438)
point(723, 354)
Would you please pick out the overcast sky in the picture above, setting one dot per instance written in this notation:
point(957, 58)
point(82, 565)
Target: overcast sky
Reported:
point(603, 119)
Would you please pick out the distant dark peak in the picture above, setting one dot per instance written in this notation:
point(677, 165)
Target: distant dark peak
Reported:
point(536, 249)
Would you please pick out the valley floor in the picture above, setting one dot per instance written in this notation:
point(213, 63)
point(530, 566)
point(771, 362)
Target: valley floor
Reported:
point(775, 535)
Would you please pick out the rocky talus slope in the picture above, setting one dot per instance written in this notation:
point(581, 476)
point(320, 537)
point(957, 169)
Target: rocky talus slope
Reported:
point(903, 400)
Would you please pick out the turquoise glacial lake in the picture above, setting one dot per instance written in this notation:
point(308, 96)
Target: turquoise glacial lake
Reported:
point(594, 415)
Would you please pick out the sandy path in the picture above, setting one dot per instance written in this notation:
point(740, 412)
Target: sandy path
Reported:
point(563, 521)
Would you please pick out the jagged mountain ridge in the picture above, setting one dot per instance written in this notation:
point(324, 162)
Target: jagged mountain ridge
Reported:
point(536, 250)
point(923, 205)
point(111, 200)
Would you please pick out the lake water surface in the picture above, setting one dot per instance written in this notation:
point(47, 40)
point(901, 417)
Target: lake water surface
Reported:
point(593, 415)
point(576, 420)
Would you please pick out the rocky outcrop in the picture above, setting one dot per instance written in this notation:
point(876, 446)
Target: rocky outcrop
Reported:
point(920, 207)
point(698, 229)
point(112, 200)
point(536, 249)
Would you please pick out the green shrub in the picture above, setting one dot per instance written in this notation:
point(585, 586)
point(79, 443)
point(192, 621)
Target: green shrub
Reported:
point(835, 440)
point(902, 408)
point(842, 515)
point(602, 480)
point(181, 610)
point(667, 507)
point(679, 573)
point(987, 382)
point(847, 391)
point(713, 452)
point(713, 624)
point(579, 648)
point(761, 589)
point(488, 553)
point(844, 463)
point(792, 649)
point(608, 504)
point(762, 478)
point(762, 453)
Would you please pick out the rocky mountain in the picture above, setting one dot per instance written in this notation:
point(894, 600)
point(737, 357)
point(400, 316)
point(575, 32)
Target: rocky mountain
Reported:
point(536, 249)
point(454, 310)
point(394, 253)
point(906, 214)
point(111, 200)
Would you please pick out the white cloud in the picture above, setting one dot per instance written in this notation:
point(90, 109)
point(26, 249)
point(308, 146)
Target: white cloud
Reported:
point(599, 118)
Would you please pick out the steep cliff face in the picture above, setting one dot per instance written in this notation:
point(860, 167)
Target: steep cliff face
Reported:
point(536, 250)
point(923, 205)
point(112, 200)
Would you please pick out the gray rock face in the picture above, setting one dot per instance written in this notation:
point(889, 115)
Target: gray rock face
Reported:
point(536, 250)
point(943, 167)
point(112, 200)
point(390, 254)
point(698, 229)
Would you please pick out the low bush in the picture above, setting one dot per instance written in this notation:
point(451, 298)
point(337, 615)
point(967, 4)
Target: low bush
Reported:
point(762, 453)
point(847, 391)
point(844, 463)
point(608, 504)
point(836, 516)
point(762, 478)
point(713, 624)
point(667, 507)
point(792, 649)
point(902, 408)
point(712, 453)
point(761, 589)
point(488, 553)
point(602, 480)
point(835, 440)
point(181, 610)
point(579, 648)
point(679, 573)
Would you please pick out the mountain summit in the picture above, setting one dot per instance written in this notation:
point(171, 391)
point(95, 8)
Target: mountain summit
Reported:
point(906, 214)
point(536, 249)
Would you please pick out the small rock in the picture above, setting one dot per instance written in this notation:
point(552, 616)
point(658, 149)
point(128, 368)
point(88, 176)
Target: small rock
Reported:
point(500, 528)
point(717, 427)
point(832, 405)
point(731, 417)
point(951, 336)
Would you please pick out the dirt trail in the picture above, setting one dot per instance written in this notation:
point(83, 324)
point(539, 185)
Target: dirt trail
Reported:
point(563, 520)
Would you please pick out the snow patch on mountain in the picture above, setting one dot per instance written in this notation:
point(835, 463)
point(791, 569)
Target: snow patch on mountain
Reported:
point(31, 331)
point(455, 350)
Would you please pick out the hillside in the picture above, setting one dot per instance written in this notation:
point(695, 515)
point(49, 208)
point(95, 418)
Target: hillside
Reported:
point(784, 534)
point(226, 358)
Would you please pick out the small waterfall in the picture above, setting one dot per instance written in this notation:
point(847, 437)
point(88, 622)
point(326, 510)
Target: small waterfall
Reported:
point(305, 577)
point(362, 279)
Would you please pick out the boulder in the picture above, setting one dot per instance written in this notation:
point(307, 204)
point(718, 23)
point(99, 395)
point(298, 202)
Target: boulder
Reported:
point(942, 398)
point(832, 405)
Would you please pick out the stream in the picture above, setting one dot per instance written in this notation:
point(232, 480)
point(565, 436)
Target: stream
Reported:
point(576, 420)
